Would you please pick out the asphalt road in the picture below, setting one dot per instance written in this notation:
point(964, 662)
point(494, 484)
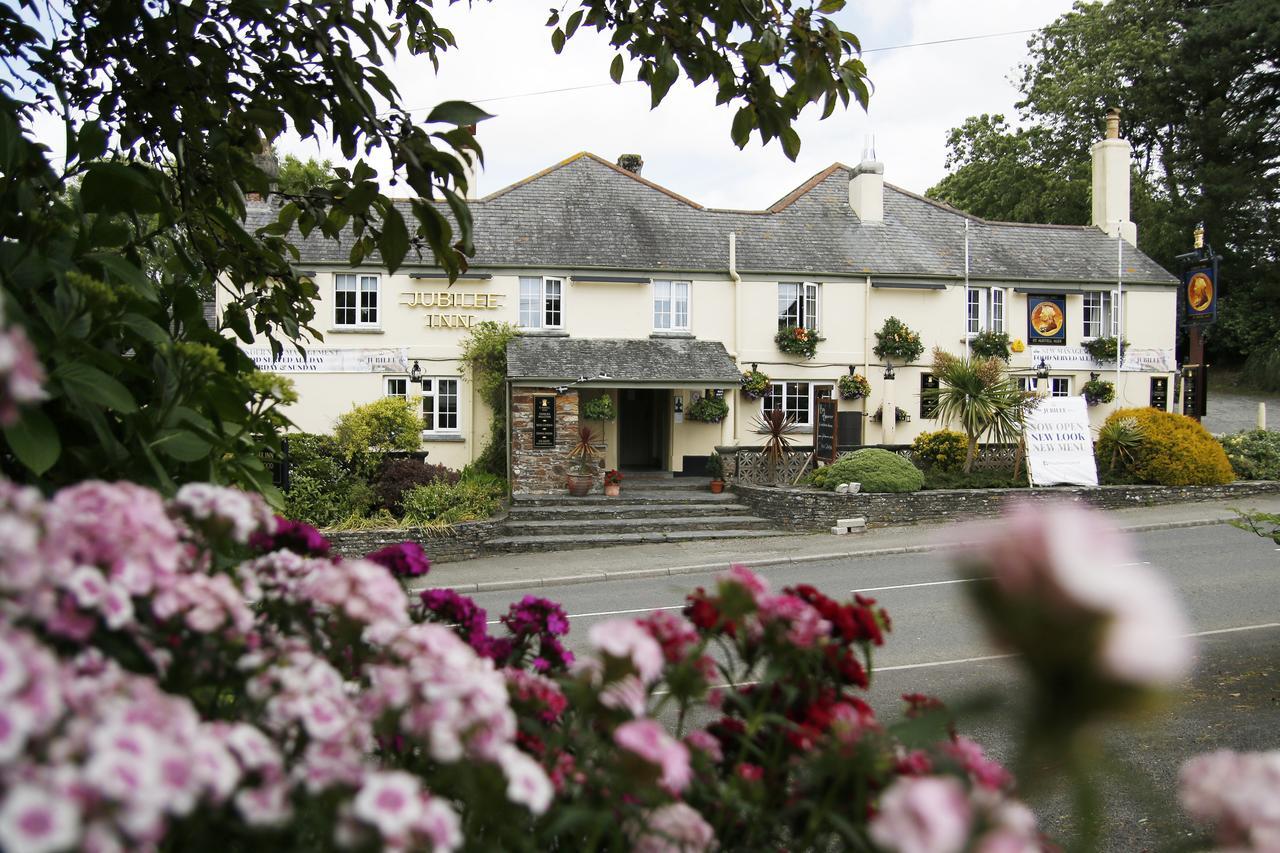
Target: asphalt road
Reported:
point(1229, 581)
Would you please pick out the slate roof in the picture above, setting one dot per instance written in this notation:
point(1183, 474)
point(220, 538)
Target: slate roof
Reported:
point(587, 213)
point(564, 359)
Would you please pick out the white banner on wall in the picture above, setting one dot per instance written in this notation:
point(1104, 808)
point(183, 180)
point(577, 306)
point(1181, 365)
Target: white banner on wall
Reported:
point(331, 360)
point(1059, 445)
point(1136, 359)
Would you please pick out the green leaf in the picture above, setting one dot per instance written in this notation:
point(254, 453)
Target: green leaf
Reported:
point(743, 122)
point(181, 444)
point(34, 440)
point(117, 188)
point(571, 26)
point(92, 384)
point(149, 330)
point(457, 112)
point(615, 69)
point(557, 40)
point(92, 142)
point(790, 143)
point(394, 244)
point(828, 7)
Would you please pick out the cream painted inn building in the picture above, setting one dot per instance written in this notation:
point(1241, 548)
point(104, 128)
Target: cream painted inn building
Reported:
point(626, 288)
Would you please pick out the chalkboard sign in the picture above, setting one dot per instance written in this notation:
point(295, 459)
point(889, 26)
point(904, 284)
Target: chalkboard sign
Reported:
point(544, 421)
point(824, 441)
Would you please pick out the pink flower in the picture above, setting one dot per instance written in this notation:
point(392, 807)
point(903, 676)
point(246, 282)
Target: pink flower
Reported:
point(804, 623)
point(626, 694)
point(753, 583)
point(16, 724)
point(983, 771)
point(673, 632)
point(225, 511)
point(35, 820)
point(1076, 563)
point(625, 639)
point(928, 814)
point(1236, 791)
point(674, 828)
point(704, 741)
point(527, 782)
point(21, 375)
point(650, 741)
point(440, 825)
point(391, 801)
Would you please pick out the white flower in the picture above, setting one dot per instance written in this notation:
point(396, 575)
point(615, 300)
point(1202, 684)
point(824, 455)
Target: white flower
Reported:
point(929, 814)
point(16, 723)
point(390, 801)
point(13, 673)
point(34, 820)
point(441, 825)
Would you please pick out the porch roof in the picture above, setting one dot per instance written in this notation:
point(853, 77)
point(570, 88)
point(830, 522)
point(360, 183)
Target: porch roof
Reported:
point(656, 362)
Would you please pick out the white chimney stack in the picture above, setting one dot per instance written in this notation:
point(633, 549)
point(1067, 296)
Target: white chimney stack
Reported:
point(866, 191)
point(1111, 159)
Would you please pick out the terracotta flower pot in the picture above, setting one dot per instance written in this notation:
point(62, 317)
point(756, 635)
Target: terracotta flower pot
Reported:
point(717, 486)
point(612, 490)
point(579, 484)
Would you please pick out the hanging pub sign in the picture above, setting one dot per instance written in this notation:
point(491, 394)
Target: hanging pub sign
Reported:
point(1200, 293)
point(544, 421)
point(1046, 320)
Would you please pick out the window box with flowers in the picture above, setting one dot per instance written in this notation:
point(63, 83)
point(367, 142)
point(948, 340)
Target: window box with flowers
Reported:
point(709, 410)
point(797, 340)
point(755, 384)
point(896, 342)
point(899, 416)
point(853, 386)
point(1104, 349)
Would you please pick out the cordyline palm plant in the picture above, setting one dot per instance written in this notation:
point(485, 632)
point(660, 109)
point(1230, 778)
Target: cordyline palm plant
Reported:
point(585, 450)
point(776, 425)
point(978, 394)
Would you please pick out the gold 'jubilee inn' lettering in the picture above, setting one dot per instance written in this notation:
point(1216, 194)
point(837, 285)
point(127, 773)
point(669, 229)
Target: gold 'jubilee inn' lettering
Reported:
point(441, 299)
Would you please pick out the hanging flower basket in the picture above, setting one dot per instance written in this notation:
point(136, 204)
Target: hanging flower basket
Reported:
point(797, 340)
point(853, 386)
point(1099, 391)
point(897, 342)
point(1103, 349)
point(710, 410)
point(755, 384)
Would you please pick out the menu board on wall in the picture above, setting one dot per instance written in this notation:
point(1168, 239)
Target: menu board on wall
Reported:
point(824, 437)
point(544, 421)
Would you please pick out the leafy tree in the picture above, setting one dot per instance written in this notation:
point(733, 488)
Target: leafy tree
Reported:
point(388, 424)
point(978, 395)
point(1199, 88)
point(168, 110)
point(301, 176)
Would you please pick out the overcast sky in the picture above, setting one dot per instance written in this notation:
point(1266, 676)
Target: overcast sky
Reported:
point(504, 52)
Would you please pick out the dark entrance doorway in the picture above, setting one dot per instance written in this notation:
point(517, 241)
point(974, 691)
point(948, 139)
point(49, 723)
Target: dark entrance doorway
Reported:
point(643, 426)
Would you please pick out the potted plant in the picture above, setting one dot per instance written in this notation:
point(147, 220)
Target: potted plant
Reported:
point(581, 455)
point(776, 425)
point(715, 470)
point(710, 409)
point(612, 483)
point(598, 409)
point(1098, 391)
point(853, 386)
point(797, 340)
point(755, 384)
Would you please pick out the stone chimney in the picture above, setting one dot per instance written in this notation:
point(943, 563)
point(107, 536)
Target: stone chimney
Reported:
point(1111, 162)
point(866, 190)
point(633, 163)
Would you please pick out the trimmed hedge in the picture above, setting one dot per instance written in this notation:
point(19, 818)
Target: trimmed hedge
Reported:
point(1174, 451)
point(877, 470)
point(942, 450)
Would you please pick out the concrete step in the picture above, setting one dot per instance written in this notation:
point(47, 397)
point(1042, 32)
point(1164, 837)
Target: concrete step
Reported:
point(523, 512)
point(567, 542)
point(628, 496)
point(658, 524)
point(664, 483)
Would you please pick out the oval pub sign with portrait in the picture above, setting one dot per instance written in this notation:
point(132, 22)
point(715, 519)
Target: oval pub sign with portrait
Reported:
point(1200, 294)
point(1047, 320)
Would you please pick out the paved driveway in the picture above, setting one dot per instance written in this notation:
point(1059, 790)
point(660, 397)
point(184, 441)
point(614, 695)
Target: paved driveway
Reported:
point(1232, 411)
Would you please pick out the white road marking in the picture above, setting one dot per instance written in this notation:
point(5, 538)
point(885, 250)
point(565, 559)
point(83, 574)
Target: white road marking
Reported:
point(607, 613)
point(914, 585)
point(1234, 630)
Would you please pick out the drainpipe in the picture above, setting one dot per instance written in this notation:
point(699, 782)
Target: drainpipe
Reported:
point(510, 473)
point(737, 326)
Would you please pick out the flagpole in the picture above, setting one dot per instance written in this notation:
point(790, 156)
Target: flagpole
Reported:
point(1118, 307)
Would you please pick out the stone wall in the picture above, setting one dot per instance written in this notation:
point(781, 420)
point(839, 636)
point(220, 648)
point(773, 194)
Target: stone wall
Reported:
point(460, 542)
point(539, 470)
point(814, 509)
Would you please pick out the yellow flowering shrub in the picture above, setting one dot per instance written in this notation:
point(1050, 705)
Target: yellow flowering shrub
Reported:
point(1174, 451)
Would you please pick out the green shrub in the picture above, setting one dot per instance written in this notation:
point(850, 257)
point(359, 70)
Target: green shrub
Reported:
point(323, 486)
point(398, 476)
point(1174, 450)
point(598, 409)
point(1254, 454)
point(391, 423)
point(450, 503)
point(877, 470)
point(942, 450)
point(1262, 367)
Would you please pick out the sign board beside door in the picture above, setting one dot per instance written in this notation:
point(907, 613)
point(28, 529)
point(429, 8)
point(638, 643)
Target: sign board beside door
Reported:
point(544, 421)
point(824, 435)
